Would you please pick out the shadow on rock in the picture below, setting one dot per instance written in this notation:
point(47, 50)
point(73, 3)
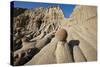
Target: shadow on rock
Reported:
point(25, 56)
point(71, 44)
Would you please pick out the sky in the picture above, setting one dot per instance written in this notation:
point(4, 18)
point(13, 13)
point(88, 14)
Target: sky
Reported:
point(66, 8)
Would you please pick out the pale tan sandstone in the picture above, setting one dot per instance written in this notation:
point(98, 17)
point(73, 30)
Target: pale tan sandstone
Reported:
point(83, 27)
point(45, 40)
point(62, 53)
point(46, 55)
point(78, 55)
point(54, 52)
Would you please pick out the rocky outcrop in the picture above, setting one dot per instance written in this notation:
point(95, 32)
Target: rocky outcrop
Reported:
point(45, 36)
point(62, 52)
point(34, 28)
point(54, 52)
point(82, 26)
point(41, 19)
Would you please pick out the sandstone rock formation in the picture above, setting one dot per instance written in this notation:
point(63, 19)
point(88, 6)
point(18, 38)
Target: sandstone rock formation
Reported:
point(78, 56)
point(35, 28)
point(54, 52)
point(45, 36)
point(82, 26)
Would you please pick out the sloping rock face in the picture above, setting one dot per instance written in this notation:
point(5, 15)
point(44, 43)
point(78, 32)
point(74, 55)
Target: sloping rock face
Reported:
point(45, 36)
point(82, 26)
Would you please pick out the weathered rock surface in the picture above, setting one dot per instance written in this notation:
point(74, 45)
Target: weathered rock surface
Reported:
point(35, 28)
point(54, 52)
point(82, 26)
point(45, 36)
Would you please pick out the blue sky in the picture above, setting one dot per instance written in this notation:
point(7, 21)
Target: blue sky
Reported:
point(66, 8)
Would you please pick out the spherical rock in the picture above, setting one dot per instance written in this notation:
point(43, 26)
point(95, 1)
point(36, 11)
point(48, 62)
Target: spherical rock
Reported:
point(61, 34)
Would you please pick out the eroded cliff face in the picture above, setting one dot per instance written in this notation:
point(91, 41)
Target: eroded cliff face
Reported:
point(34, 30)
point(41, 19)
point(35, 26)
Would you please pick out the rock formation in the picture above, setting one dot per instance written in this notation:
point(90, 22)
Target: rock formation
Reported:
point(35, 28)
point(62, 52)
point(77, 53)
point(54, 52)
point(82, 26)
point(45, 36)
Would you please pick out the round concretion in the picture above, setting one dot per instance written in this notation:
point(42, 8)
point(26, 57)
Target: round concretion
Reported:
point(61, 34)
